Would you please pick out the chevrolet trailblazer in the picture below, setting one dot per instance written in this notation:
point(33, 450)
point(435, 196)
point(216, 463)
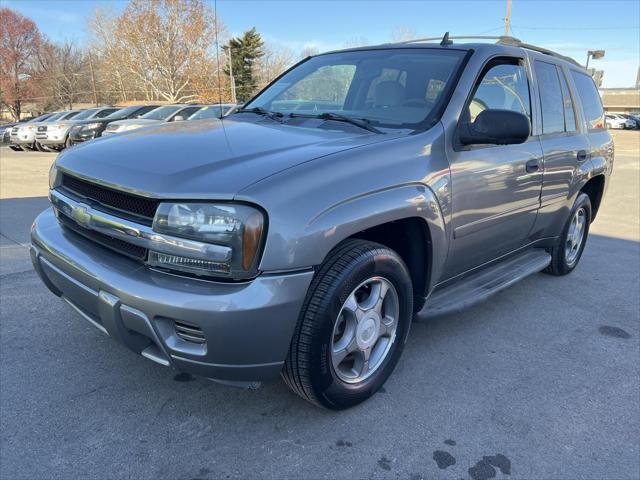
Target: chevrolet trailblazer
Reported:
point(300, 235)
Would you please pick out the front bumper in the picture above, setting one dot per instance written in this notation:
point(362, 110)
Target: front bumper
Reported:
point(52, 137)
point(79, 136)
point(247, 327)
point(23, 138)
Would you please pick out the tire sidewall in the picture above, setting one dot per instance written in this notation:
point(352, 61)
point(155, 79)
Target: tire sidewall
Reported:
point(331, 390)
point(582, 201)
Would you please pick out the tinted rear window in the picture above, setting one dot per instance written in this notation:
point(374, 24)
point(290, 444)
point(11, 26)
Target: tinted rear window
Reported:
point(590, 100)
point(551, 101)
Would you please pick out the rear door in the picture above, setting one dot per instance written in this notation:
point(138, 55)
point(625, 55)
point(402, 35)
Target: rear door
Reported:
point(565, 146)
point(496, 188)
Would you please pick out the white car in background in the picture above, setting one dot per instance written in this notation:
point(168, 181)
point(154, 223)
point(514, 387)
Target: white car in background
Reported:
point(166, 113)
point(613, 120)
point(24, 135)
point(55, 135)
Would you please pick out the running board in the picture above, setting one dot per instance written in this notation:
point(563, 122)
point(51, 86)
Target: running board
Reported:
point(481, 285)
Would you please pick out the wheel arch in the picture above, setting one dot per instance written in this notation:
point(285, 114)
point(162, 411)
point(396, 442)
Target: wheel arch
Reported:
point(407, 219)
point(411, 239)
point(594, 189)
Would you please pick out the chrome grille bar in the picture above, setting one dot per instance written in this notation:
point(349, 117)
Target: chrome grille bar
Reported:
point(136, 234)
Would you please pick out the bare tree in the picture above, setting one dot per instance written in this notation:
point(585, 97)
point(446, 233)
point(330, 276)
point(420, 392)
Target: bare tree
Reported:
point(64, 73)
point(163, 47)
point(273, 62)
point(309, 51)
point(403, 33)
point(356, 42)
point(20, 42)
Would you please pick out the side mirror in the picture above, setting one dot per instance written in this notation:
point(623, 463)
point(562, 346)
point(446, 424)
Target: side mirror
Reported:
point(496, 127)
point(178, 118)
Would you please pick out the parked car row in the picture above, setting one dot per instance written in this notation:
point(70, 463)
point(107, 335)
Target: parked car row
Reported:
point(622, 121)
point(58, 130)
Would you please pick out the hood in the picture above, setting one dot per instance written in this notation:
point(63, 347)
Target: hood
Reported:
point(207, 159)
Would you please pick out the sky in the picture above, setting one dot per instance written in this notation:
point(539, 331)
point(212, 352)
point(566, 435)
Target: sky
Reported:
point(568, 27)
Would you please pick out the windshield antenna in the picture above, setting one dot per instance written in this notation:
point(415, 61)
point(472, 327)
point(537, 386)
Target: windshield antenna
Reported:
point(215, 13)
point(445, 40)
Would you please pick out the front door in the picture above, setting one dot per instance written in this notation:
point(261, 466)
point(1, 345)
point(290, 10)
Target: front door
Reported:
point(495, 188)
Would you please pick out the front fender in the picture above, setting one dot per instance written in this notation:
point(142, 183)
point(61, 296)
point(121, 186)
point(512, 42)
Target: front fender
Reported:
point(310, 245)
point(314, 206)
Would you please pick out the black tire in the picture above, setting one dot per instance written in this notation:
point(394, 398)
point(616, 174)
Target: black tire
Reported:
point(559, 264)
point(308, 370)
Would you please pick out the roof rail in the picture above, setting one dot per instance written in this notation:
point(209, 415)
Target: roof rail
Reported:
point(501, 40)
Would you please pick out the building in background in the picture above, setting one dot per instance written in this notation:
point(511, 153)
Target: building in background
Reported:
point(621, 100)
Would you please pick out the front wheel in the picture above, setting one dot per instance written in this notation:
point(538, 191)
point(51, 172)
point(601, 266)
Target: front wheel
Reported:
point(352, 327)
point(566, 253)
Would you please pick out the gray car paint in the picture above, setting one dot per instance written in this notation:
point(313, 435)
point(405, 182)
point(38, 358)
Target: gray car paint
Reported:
point(319, 187)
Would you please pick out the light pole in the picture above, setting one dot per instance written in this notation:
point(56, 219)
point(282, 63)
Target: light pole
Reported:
point(595, 54)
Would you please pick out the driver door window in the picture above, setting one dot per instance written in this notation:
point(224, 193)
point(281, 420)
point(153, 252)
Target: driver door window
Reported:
point(503, 87)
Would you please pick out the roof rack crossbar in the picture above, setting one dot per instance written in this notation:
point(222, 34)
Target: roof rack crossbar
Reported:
point(501, 40)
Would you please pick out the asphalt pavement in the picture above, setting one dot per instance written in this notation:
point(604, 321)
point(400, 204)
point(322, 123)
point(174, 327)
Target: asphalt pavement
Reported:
point(541, 381)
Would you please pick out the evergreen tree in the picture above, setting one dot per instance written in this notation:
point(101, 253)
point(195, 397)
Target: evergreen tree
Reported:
point(244, 51)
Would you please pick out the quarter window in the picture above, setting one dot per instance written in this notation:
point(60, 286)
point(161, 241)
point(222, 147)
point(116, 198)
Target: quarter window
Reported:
point(590, 100)
point(551, 101)
point(503, 87)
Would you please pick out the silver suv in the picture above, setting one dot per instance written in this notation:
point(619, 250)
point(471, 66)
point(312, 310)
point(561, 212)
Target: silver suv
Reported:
point(55, 135)
point(300, 235)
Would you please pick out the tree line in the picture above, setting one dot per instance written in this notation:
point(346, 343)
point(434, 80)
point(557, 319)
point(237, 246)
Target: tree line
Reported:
point(154, 50)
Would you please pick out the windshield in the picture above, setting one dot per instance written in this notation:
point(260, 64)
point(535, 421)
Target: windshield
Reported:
point(68, 115)
point(210, 111)
point(55, 116)
point(123, 112)
point(41, 118)
point(394, 88)
point(162, 112)
point(85, 114)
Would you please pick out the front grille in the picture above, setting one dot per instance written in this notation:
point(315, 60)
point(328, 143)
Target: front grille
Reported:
point(42, 128)
point(189, 333)
point(142, 209)
point(115, 244)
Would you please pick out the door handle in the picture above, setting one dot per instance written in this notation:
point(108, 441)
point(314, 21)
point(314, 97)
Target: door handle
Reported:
point(582, 155)
point(532, 166)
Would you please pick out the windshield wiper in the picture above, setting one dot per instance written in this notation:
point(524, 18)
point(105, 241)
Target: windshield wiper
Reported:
point(261, 111)
point(363, 123)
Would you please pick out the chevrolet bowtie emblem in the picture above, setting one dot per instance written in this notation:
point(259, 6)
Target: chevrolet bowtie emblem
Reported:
point(81, 215)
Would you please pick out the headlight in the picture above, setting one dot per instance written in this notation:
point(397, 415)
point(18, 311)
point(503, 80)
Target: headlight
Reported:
point(239, 227)
point(29, 127)
point(53, 173)
point(91, 126)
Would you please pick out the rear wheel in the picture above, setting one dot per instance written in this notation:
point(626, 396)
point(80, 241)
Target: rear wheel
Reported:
point(567, 252)
point(352, 327)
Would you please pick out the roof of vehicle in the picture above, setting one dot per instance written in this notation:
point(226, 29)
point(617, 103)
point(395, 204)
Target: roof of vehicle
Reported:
point(502, 43)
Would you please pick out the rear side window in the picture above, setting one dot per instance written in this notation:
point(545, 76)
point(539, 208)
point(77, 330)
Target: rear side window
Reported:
point(590, 100)
point(551, 101)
